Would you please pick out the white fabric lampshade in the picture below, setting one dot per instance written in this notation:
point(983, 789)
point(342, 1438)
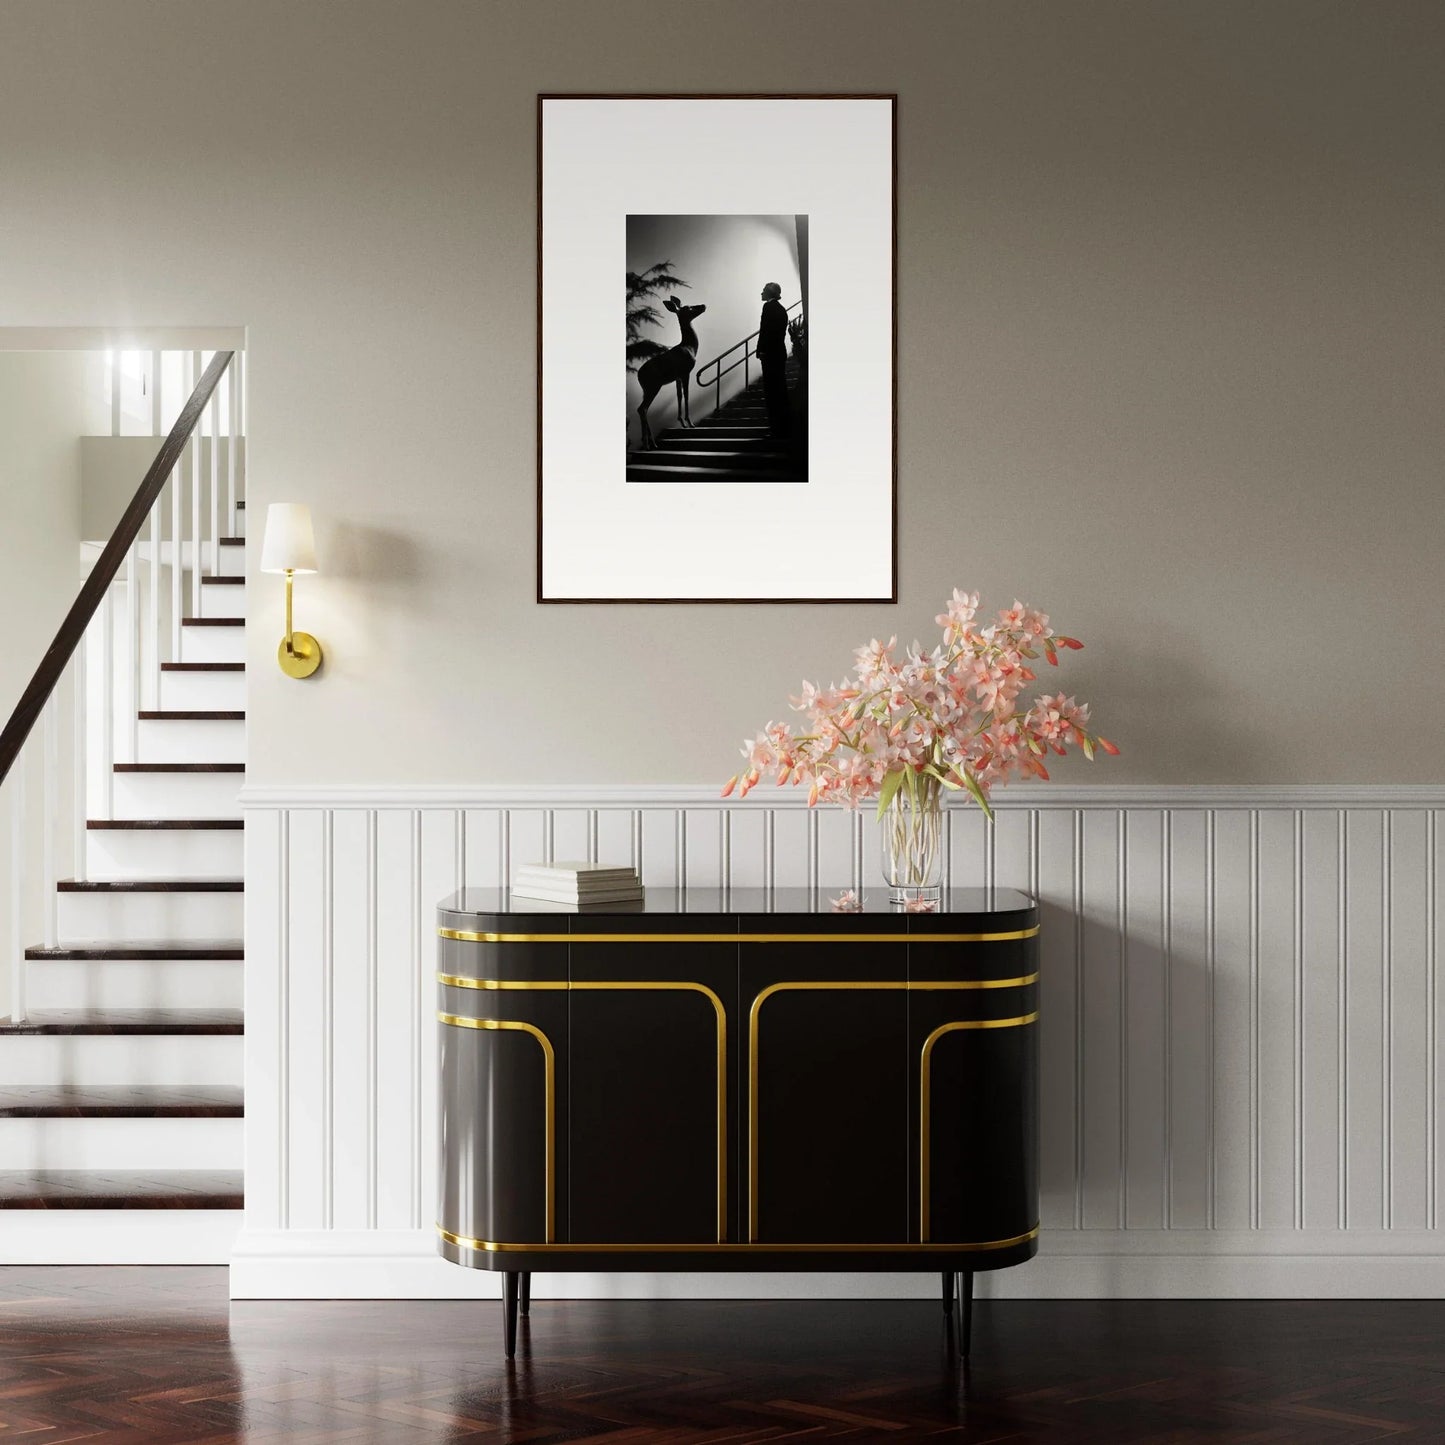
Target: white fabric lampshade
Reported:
point(289, 545)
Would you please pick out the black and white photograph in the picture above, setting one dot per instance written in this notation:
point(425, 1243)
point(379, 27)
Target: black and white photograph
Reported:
point(717, 349)
point(747, 419)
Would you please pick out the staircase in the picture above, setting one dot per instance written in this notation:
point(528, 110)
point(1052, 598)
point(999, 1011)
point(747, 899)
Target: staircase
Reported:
point(121, 1067)
point(730, 445)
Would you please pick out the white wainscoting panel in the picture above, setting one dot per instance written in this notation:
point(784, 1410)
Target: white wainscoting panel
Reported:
point(1240, 1023)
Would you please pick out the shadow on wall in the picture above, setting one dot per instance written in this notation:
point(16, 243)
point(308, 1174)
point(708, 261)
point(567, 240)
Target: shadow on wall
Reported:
point(725, 262)
point(369, 576)
point(1116, 1151)
point(1147, 677)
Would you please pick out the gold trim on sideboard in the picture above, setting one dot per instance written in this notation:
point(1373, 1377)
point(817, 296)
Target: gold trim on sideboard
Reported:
point(461, 935)
point(890, 984)
point(549, 1065)
point(678, 985)
point(925, 1102)
point(461, 980)
point(489, 1246)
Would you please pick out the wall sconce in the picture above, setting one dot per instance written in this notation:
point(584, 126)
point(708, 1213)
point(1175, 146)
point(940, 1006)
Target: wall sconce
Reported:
point(290, 547)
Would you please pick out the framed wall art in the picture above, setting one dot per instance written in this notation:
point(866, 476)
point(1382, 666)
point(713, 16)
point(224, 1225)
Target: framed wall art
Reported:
point(716, 348)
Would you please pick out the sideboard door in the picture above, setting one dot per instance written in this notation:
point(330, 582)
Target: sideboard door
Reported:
point(654, 1104)
point(973, 1052)
point(826, 1090)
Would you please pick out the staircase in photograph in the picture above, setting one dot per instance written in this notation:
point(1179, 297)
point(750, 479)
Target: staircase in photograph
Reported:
point(731, 444)
point(120, 1061)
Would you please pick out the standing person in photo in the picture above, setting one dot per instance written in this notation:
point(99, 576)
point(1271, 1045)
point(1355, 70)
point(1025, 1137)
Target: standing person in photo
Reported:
point(772, 353)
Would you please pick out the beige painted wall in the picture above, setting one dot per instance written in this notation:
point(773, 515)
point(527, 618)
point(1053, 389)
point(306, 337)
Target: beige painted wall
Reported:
point(1170, 353)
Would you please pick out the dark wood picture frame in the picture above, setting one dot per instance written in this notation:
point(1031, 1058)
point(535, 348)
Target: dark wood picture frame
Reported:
point(890, 97)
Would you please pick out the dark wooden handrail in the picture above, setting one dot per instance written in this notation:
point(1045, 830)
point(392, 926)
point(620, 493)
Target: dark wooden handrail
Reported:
point(67, 639)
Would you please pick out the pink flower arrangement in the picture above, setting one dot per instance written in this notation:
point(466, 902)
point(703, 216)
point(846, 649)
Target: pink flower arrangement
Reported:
point(953, 717)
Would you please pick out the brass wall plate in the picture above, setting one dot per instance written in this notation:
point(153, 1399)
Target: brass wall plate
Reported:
point(302, 658)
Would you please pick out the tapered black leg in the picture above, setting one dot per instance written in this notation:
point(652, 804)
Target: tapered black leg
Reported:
point(509, 1311)
point(948, 1292)
point(965, 1329)
point(526, 1305)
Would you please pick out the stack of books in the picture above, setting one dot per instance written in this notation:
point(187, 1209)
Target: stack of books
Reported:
point(579, 885)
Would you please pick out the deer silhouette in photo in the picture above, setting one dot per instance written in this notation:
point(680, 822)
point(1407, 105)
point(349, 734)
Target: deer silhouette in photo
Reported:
point(674, 365)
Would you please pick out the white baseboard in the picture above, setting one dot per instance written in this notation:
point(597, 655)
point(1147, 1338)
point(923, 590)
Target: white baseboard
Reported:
point(119, 1236)
point(1156, 1264)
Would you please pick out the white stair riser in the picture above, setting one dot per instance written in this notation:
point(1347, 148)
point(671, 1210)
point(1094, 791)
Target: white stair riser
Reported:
point(70, 1143)
point(239, 530)
point(190, 740)
point(203, 691)
point(164, 853)
point(223, 601)
point(233, 561)
point(122, 1059)
point(213, 644)
point(140, 917)
point(177, 795)
point(135, 983)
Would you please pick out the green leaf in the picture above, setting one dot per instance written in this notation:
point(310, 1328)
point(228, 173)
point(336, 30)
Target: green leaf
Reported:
point(886, 793)
point(1088, 747)
point(971, 783)
point(943, 778)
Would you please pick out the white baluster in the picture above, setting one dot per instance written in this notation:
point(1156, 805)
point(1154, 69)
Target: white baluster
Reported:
point(131, 700)
point(157, 416)
point(243, 421)
point(17, 889)
point(116, 358)
point(49, 845)
point(177, 472)
point(153, 662)
point(213, 408)
point(195, 455)
point(233, 382)
point(107, 706)
point(82, 775)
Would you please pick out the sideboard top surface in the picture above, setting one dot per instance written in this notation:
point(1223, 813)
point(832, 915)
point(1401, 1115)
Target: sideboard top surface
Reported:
point(730, 909)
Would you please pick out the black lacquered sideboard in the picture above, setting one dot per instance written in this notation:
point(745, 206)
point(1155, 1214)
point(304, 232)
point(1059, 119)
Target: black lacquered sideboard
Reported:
point(738, 1081)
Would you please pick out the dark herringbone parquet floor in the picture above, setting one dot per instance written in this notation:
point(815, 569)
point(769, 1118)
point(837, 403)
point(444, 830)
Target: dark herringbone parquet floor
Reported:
point(158, 1355)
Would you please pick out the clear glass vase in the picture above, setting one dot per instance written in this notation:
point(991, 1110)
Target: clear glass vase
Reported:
point(912, 846)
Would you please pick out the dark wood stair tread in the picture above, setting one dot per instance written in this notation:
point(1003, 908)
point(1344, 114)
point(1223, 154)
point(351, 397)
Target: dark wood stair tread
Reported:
point(203, 667)
point(233, 541)
point(122, 1189)
point(196, 825)
point(170, 714)
point(213, 621)
point(200, 951)
point(180, 767)
point(151, 885)
point(223, 581)
point(69, 1021)
point(121, 1101)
